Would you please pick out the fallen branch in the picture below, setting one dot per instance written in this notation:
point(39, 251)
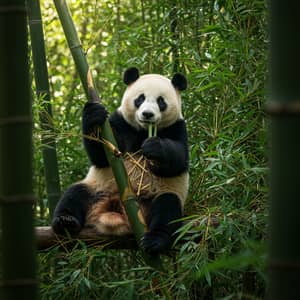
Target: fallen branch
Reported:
point(46, 238)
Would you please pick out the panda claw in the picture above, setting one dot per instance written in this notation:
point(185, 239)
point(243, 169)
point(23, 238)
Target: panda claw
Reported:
point(62, 223)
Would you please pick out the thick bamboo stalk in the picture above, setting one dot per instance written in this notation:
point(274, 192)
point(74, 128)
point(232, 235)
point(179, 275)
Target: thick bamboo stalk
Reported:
point(18, 255)
point(126, 193)
point(284, 108)
point(43, 93)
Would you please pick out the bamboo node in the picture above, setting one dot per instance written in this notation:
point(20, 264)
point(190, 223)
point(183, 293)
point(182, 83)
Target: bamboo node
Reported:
point(75, 46)
point(18, 282)
point(13, 199)
point(13, 9)
point(15, 120)
point(116, 152)
point(35, 21)
point(275, 108)
point(127, 193)
point(284, 265)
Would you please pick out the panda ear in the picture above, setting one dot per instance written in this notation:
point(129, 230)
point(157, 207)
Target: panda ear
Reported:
point(179, 81)
point(131, 75)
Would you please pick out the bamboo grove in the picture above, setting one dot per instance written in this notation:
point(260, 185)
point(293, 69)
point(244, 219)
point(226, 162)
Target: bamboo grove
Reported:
point(222, 47)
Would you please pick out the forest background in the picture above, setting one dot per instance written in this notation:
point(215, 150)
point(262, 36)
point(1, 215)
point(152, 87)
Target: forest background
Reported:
point(221, 48)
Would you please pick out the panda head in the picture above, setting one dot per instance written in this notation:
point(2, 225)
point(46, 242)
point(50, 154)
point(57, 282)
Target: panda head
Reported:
point(151, 98)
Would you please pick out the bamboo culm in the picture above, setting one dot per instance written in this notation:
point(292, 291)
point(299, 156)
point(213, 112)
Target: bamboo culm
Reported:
point(18, 253)
point(126, 193)
point(284, 256)
point(43, 94)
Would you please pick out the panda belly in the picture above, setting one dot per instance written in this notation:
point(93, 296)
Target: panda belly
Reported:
point(107, 213)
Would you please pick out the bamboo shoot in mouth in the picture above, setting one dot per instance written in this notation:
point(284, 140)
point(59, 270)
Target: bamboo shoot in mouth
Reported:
point(152, 130)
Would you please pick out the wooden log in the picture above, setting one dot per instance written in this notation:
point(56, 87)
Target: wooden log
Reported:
point(47, 238)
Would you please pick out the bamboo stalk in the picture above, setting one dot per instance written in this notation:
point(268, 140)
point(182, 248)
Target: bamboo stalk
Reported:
point(175, 37)
point(43, 94)
point(126, 193)
point(284, 108)
point(18, 255)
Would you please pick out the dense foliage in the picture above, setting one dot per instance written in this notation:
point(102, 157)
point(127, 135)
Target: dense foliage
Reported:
point(221, 47)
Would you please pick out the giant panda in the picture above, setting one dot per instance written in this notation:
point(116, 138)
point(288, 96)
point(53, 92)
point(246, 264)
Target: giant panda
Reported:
point(157, 165)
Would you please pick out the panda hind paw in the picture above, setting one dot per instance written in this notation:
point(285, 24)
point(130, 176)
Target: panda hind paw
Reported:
point(156, 242)
point(61, 224)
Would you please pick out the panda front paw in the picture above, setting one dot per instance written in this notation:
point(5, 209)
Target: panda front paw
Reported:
point(62, 223)
point(94, 114)
point(152, 149)
point(156, 242)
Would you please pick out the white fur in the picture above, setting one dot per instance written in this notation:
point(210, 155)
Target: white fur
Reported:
point(103, 180)
point(152, 86)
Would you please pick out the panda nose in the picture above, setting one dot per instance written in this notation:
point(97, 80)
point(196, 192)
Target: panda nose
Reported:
point(148, 114)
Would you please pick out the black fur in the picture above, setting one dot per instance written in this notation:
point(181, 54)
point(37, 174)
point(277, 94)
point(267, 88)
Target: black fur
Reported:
point(179, 82)
point(71, 210)
point(161, 234)
point(129, 139)
point(94, 116)
point(161, 103)
point(131, 75)
point(139, 100)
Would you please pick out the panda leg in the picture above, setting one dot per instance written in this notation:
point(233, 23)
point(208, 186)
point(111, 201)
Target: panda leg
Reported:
point(70, 212)
point(164, 209)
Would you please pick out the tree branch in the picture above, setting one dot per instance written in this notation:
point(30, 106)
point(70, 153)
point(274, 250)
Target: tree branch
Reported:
point(46, 238)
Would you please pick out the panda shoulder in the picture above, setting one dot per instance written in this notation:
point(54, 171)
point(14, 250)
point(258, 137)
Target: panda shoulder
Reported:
point(118, 122)
point(177, 130)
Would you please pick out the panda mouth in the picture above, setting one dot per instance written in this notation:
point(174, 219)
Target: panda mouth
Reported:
point(147, 122)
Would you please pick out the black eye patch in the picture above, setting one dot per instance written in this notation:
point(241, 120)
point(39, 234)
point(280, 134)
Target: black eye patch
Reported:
point(161, 103)
point(139, 100)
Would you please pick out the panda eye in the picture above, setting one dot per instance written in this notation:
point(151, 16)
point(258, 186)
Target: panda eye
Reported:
point(161, 103)
point(139, 100)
